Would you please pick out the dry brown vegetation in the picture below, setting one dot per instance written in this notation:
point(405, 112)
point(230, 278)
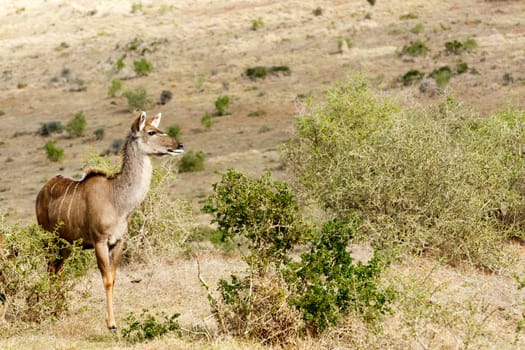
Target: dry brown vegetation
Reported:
point(60, 57)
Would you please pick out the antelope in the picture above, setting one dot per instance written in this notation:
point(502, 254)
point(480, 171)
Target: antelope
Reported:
point(96, 208)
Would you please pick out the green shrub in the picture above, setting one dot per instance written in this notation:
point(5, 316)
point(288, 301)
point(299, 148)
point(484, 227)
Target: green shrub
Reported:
point(136, 7)
point(101, 164)
point(116, 146)
point(416, 48)
point(76, 126)
point(222, 103)
point(285, 70)
point(328, 284)
point(120, 63)
point(257, 24)
point(98, 134)
point(342, 41)
point(31, 293)
point(54, 153)
point(507, 78)
point(138, 99)
point(461, 68)
point(191, 161)
point(258, 72)
point(262, 210)
point(442, 75)
point(174, 131)
point(165, 96)
point(408, 16)
point(146, 327)
point(257, 113)
point(412, 76)
point(443, 181)
point(470, 44)
point(264, 128)
point(142, 67)
point(417, 29)
point(206, 120)
point(282, 294)
point(115, 88)
point(49, 128)
point(456, 47)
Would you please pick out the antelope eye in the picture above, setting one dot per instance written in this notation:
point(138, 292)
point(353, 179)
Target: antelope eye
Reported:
point(151, 133)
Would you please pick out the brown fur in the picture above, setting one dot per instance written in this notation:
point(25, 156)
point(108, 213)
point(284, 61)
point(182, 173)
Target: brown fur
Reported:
point(96, 208)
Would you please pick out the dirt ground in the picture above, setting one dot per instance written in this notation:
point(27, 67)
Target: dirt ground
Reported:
point(58, 57)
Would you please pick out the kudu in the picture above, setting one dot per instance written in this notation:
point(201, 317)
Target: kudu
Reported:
point(96, 208)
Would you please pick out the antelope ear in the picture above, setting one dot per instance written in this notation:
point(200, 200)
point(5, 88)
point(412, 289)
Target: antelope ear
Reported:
point(139, 123)
point(155, 121)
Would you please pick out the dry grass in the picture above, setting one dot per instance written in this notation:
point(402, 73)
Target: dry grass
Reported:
point(438, 307)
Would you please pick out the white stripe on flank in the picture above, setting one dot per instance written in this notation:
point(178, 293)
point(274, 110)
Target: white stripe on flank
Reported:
point(52, 187)
point(62, 202)
point(71, 201)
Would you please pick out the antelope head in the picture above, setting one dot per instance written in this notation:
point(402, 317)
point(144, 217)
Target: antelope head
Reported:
point(151, 139)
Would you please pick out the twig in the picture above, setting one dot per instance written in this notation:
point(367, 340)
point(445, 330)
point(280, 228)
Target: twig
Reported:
point(213, 300)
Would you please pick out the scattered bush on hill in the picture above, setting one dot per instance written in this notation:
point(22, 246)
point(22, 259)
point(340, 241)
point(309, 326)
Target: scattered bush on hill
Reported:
point(415, 48)
point(174, 131)
point(222, 104)
point(138, 99)
point(165, 97)
point(456, 47)
point(260, 72)
point(142, 67)
point(191, 161)
point(49, 128)
point(54, 153)
point(115, 88)
point(76, 126)
point(206, 120)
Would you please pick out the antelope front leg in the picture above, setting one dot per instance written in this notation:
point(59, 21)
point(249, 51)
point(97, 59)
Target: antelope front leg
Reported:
point(104, 265)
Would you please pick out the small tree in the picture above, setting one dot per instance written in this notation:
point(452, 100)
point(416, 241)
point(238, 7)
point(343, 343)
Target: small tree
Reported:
point(54, 153)
point(115, 88)
point(138, 99)
point(49, 128)
point(206, 120)
point(76, 126)
point(174, 131)
point(222, 104)
point(191, 161)
point(142, 67)
point(98, 134)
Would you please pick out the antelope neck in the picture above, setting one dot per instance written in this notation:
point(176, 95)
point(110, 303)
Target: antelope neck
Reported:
point(131, 185)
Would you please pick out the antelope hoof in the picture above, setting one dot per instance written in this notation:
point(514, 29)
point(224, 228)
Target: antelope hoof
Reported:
point(113, 329)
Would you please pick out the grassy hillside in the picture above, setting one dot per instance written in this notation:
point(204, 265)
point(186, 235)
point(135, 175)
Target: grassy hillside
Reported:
point(425, 147)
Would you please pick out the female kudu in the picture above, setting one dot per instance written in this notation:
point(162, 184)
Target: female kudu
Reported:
point(96, 208)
